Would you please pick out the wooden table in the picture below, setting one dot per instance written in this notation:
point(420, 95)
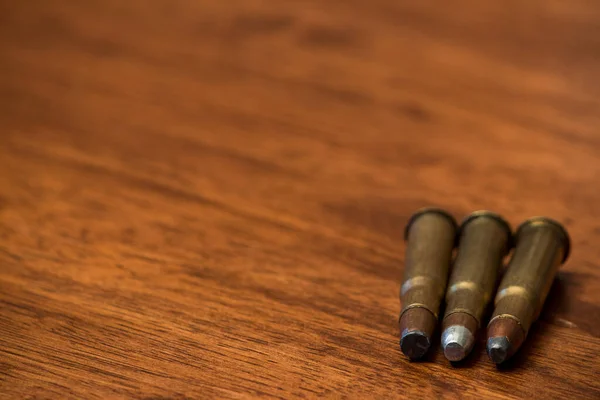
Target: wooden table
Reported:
point(206, 199)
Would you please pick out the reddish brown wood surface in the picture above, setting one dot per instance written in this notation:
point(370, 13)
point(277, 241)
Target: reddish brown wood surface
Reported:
point(205, 199)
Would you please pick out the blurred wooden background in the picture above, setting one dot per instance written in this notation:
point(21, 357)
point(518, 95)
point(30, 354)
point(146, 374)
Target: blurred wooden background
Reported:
point(206, 199)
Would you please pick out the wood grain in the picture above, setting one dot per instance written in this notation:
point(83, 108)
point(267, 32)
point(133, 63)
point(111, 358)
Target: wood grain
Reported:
point(205, 199)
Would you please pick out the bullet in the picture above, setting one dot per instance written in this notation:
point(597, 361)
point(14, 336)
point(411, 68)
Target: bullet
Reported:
point(484, 240)
point(541, 246)
point(431, 236)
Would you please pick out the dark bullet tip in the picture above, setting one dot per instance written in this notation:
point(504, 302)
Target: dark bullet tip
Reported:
point(498, 349)
point(414, 344)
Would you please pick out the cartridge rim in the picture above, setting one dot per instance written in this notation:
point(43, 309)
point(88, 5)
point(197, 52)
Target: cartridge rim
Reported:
point(489, 214)
point(429, 210)
point(538, 221)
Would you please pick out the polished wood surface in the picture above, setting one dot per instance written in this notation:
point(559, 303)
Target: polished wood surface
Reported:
point(206, 199)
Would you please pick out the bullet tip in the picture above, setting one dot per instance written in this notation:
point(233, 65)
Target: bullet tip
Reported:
point(505, 336)
point(454, 352)
point(457, 342)
point(498, 349)
point(416, 328)
point(414, 344)
point(458, 335)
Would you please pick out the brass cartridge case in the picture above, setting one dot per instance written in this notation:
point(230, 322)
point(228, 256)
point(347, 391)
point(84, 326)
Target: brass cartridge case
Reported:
point(431, 237)
point(541, 246)
point(484, 240)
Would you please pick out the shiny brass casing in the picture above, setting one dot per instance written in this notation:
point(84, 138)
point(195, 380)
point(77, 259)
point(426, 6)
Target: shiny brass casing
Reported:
point(485, 238)
point(431, 237)
point(541, 246)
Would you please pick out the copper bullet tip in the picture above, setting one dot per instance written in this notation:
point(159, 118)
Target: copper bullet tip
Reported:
point(505, 336)
point(416, 328)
